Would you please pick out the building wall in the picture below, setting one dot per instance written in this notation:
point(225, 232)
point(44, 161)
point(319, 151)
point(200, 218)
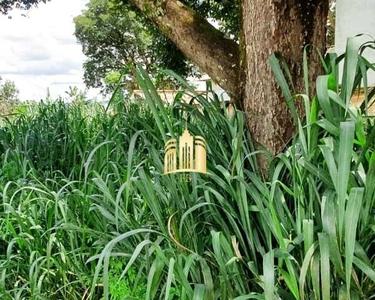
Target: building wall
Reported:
point(355, 17)
point(168, 96)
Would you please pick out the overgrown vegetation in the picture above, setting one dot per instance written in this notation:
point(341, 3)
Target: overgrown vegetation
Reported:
point(87, 214)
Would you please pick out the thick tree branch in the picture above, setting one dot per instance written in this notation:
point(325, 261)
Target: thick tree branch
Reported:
point(197, 39)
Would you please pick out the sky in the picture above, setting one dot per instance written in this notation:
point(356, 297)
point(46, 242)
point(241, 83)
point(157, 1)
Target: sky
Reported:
point(38, 49)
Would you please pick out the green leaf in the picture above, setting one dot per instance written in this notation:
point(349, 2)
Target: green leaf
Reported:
point(305, 265)
point(345, 155)
point(329, 227)
point(352, 213)
point(279, 75)
point(365, 268)
point(199, 292)
point(325, 267)
point(350, 68)
point(323, 98)
point(269, 276)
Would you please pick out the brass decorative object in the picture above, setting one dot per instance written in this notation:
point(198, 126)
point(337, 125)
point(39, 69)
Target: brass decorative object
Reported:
point(185, 154)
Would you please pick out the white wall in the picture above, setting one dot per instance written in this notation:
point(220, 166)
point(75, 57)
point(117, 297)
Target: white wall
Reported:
point(355, 17)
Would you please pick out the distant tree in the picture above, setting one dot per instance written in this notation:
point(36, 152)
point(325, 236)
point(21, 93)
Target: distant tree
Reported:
point(108, 41)
point(8, 92)
point(75, 95)
point(114, 36)
point(8, 96)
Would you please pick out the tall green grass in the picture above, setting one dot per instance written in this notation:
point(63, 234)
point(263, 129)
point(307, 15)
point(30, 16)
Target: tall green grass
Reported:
point(87, 214)
point(330, 168)
point(53, 156)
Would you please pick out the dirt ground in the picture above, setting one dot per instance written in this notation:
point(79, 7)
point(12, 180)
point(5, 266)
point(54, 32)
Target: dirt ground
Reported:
point(357, 100)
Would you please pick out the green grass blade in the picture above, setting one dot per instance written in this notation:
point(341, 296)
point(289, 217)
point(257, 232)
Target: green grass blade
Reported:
point(329, 220)
point(304, 269)
point(269, 276)
point(365, 268)
point(169, 278)
point(279, 75)
point(352, 213)
point(199, 292)
point(325, 267)
point(323, 98)
point(350, 69)
point(345, 155)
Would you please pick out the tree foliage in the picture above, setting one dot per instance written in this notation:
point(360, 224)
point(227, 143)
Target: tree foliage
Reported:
point(7, 5)
point(224, 12)
point(8, 96)
point(115, 34)
point(111, 39)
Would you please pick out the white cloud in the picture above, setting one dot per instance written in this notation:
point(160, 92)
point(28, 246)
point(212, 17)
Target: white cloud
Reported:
point(39, 50)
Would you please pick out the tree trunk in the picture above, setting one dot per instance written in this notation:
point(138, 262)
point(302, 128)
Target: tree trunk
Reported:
point(268, 26)
point(282, 26)
point(197, 39)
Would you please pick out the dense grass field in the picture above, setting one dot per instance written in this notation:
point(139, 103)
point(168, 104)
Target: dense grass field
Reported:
point(87, 214)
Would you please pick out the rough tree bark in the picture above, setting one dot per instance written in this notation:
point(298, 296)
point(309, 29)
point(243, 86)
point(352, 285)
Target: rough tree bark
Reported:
point(282, 26)
point(268, 26)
